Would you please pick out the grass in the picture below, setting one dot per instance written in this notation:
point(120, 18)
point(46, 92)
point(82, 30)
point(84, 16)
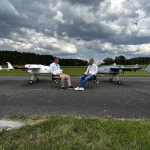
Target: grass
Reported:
point(72, 133)
point(77, 71)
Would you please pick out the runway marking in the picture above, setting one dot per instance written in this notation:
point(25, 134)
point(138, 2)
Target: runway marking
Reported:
point(125, 86)
point(20, 91)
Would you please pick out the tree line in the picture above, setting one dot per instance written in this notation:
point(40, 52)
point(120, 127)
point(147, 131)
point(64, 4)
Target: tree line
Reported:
point(22, 58)
point(121, 60)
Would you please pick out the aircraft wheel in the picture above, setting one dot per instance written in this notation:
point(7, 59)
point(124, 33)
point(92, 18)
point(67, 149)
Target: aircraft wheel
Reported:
point(110, 80)
point(37, 80)
point(30, 81)
point(119, 82)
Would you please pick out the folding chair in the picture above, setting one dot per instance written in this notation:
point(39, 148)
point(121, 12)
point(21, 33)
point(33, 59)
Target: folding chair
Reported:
point(93, 80)
point(55, 80)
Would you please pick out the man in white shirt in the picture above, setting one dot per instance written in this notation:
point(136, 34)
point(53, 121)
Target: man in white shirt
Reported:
point(55, 70)
point(90, 73)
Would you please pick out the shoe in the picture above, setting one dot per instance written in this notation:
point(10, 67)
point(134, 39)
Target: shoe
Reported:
point(76, 89)
point(70, 87)
point(81, 89)
point(63, 88)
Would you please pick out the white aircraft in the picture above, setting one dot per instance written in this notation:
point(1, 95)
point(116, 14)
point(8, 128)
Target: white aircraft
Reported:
point(35, 70)
point(31, 68)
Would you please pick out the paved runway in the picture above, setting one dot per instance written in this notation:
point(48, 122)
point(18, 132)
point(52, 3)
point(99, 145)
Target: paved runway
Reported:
point(131, 99)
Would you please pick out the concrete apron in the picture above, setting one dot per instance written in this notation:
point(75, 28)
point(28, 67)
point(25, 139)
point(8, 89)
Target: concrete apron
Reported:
point(8, 125)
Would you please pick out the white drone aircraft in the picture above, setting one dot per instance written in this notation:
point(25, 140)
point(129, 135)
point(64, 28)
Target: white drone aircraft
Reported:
point(35, 70)
point(31, 68)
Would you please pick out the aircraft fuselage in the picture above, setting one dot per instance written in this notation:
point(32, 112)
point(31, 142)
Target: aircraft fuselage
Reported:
point(41, 69)
point(107, 70)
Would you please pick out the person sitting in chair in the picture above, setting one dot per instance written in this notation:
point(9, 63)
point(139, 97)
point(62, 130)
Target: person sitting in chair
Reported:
point(90, 74)
point(57, 72)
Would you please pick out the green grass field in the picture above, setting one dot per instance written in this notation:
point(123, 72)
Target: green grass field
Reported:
point(72, 133)
point(78, 71)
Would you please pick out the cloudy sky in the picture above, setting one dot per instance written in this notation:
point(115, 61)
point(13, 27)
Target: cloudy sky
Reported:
point(76, 28)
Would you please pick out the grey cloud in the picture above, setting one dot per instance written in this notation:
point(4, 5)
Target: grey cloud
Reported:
point(28, 17)
point(144, 5)
point(110, 17)
point(39, 16)
point(48, 46)
point(85, 2)
point(128, 40)
point(10, 20)
point(81, 29)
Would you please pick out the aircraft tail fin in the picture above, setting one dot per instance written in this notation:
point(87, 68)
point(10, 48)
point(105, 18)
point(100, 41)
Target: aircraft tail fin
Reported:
point(136, 66)
point(148, 68)
point(0, 68)
point(9, 66)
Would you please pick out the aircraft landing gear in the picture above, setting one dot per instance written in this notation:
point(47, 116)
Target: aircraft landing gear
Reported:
point(119, 82)
point(31, 81)
point(111, 79)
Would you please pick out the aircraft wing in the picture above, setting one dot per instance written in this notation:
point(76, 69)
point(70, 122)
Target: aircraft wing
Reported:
point(127, 69)
point(21, 68)
point(27, 68)
point(35, 67)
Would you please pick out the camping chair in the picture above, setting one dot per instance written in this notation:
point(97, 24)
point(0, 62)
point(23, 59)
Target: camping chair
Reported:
point(93, 80)
point(55, 80)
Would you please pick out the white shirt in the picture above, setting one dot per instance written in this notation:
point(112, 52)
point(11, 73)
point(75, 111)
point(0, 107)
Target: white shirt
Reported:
point(92, 69)
point(55, 69)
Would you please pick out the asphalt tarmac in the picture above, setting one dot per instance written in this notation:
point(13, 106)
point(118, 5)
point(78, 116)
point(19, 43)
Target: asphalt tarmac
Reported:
point(131, 99)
